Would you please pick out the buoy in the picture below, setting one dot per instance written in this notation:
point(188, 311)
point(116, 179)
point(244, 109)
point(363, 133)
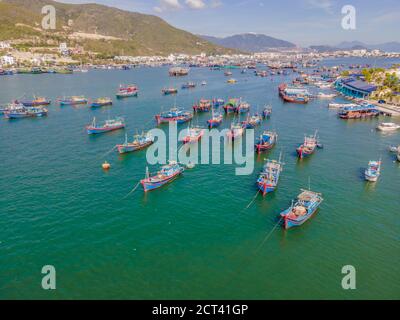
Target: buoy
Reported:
point(106, 165)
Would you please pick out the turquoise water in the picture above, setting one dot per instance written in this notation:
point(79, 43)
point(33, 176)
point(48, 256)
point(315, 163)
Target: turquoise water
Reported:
point(192, 239)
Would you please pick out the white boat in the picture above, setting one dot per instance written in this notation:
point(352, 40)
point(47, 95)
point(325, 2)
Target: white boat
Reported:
point(373, 171)
point(204, 83)
point(340, 105)
point(388, 126)
point(322, 95)
point(398, 155)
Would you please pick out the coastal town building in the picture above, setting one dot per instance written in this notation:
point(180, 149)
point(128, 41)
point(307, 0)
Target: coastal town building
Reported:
point(354, 88)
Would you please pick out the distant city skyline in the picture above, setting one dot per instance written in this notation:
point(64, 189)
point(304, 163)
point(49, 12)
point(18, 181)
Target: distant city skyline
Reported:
point(303, 22)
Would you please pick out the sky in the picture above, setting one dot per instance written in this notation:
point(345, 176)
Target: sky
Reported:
point(303, 22)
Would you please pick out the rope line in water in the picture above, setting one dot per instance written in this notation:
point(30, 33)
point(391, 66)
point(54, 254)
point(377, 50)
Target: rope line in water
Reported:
point(108, 152)
point(268, 236)
point(252, 201)
point(132, 191)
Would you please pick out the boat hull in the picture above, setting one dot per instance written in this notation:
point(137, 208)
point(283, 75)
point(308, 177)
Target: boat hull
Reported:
point(150, 186)
point(94, 130)
point(127, 148)
point(291, 223)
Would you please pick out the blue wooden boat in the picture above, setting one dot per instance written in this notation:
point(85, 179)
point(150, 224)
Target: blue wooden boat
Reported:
point(167, 174)
point(269, 177)
point(232, 105)
point(302, 209)
point(266, 141)
point(308, 147)
point(373, 172)
point(267, 112)
point(189, 85)
point(127, 91)
point(168, 91)
point(252, 122)
point(218, 103)
point(174, 115)
point(71, 101)
point(215, 120)
point(17, 111)
point(243, 107)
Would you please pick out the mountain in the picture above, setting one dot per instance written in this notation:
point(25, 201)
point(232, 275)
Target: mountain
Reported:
point(100, 28)
point(250, 42)
point(357, 45)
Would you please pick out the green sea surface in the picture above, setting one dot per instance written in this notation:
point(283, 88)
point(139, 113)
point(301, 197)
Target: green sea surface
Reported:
point(193, 239)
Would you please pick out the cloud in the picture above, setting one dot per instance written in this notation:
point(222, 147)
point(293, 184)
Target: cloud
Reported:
point(196, 4)
point(326, 5)
point(167, 5)
point(215, 3)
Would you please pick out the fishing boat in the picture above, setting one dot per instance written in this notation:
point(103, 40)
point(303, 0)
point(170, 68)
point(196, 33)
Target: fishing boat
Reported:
point(358, 112)
point(267, 112)
point(140, 141)
point(232, 81)
point(227, 73)
point(17, 111)
point(340, 105)
point(269, 177)
point(293, 95)
point(108, 125)
point(194, 134)
point(243, 107)
point(167, 174)
point(252, 122)
point(266, 141)
point(302, 209)
point(398, 153)
point(189, 85)
point(232, 105)
point(203, 106)
point(322, 95)
point(36, 101)
point(373, 171)
point(126, 91)
point(204, 83)
point(168, 91)
point(174, 115)
point(215, 120)
point(308, 147)
point(388, 126)
point(72, 101)
point(178, 72)
point(101, 102)
point(236, 131)
point(218, 103)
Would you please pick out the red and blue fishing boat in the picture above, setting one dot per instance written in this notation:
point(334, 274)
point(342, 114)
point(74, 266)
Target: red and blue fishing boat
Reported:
point(218, 102)
point(269, 177)
point(174, 115)
point(167, 174)
point(127, 91)
point(139, 142)
point(232, 105)
point(168, 91)
point(252, 122)
point(215, 120)
point(266, 141)
point(373, 172)
point(203, 106)
point(308, 147)
point(108, 125)
point(72, 101)
point(17, 111)
point(194, 135)
point(302, 209)
point(243, 107)
point(101, 102)
point(36, 101)
point(189, 85)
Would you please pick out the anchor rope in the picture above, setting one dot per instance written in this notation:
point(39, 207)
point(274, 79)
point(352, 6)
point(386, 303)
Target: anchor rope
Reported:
point(132, 191)
point(108, 152)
